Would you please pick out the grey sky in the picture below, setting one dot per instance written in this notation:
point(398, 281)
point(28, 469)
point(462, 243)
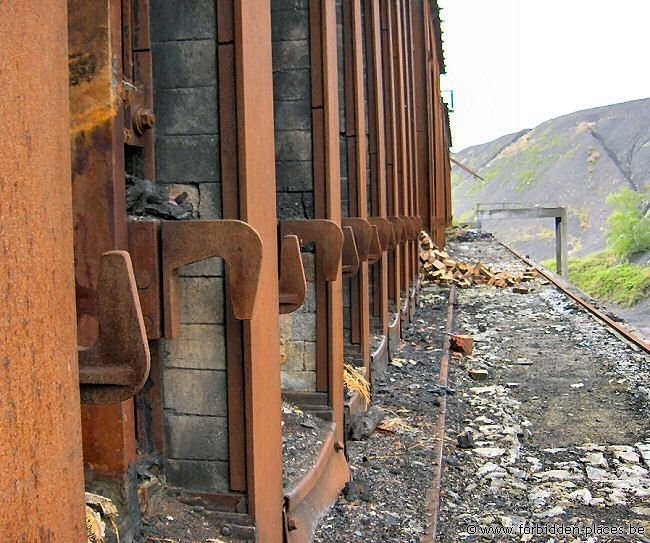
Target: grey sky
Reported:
point(514, 64)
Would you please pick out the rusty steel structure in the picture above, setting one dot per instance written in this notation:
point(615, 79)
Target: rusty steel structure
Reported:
point(230, 193)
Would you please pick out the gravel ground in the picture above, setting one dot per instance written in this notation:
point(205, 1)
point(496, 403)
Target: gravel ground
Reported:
point(303, 436)
point(392, 471)
point(559, 434)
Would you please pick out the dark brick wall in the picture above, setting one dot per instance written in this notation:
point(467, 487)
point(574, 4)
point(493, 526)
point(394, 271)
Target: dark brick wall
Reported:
point(187, 159)
point(292, 105)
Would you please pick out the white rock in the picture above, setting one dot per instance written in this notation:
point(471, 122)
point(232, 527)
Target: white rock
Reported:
point(553, 512)
point(489, 452)
point(488, 467)
point(596, 459)
point(643, 511)
point(591, 447)
point(598, 475)
point(538, 496)
point(557, 475)
point(629, 457)
point(581, 496)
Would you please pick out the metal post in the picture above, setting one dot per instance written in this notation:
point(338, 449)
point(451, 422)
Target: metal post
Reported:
point(561, 251)
point(41, 473)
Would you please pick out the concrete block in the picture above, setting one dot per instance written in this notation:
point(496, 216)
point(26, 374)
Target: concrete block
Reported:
point(304, 326)
point(199, 346)
point(188, 20)
point(294, 84)
point(291, 55)
point(187, 111)
point(309, 264)
point(304, 381)
point(310, 356)
point(293, 145)
point(294, 354)
point(292, 115)
point(210, 203)
point(290, 205)
point(192, 437)
point(308, 204)
point(202, 300)
point(294, 176)
point(195, 392)
point(183, 64)
point(193, 159)
point(211, 267)
point(198, 476)
point(290, 25)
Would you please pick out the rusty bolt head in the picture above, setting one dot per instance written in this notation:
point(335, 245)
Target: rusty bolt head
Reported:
point(338, 446)
point(291, 524)
point(226, 530)
point(143, 120)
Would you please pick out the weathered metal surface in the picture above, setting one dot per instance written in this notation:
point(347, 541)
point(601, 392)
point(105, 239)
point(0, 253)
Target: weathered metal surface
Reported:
point(144, 249)
point(350, 255)
point(186, 242)
point(385, 232)
point(117, 365)
point(380, 357)
point(292, 282)
point(305, 503)
point(41, 473)
point(399, 228)
point(362, 230)
point(376, 250)
point(327, 237)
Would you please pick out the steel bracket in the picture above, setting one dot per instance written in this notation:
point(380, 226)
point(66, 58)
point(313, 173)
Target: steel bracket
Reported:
point(362, 230)
point(375, 246)
point(327, 237)
point(351, 258)
point(409, 226)
point(186, 242)
point(399, 228)
point(293, 285)
point(117, 365)
point(385, 231)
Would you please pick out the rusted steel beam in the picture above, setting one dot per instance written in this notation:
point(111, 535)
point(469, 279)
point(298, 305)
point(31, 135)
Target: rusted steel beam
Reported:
point(41, 472)
point(385, 231)
point(350, 254)
point(260, 339)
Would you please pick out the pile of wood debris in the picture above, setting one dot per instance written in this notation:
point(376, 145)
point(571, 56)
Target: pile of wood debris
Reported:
point(438, 267)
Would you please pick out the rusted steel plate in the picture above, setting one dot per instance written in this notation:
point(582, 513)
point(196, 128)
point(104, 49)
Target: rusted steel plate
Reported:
point(400, 229)
point(350, 253)
point(144, 249)
point(362, 235)
point(385, 232)
point(326, 235)
point(117, 365)
point(375, 246)
point(305, 503)
point(186, 242)
point(292, 282)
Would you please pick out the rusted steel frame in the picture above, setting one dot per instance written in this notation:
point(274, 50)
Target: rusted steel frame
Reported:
point(402, 151)
point(377, 143)
point(433, 499)
point(98, 204)
point(308, 499)
point(385, 232)
point(581, 299)
point(376, 250)
point(117, 365)
point(355, 132)
point(431, 173)
point(392, 192)
point(251, 28)
point(363, 235)
point(292, 282)
point(421, 109)
point(42, 488)
point(399, 229)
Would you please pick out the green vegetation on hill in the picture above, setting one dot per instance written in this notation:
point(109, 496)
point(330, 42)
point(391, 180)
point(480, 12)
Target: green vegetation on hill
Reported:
point(608, 275)
point(600, 276)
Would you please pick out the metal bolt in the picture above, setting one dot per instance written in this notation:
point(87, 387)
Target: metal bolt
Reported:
point(226, 530)
point(291, 524)
point(338, 446)
point(143, 120)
